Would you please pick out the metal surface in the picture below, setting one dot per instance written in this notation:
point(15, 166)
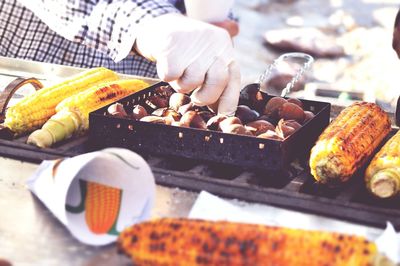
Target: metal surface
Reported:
point(31, 235)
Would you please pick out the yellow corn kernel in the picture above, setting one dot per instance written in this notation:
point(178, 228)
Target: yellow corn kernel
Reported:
point(34, 110)
point(348, 142)
point(382, 176)
point(72, 115)
point(99, 96)
point(180, 241)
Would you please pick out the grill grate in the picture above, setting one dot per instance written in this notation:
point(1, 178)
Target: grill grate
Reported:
point(295, 190)
point(290, 187)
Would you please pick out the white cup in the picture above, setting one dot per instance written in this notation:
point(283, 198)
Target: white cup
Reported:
point(208, 10)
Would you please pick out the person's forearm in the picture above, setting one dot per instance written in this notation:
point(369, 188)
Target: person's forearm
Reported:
point(108, 26)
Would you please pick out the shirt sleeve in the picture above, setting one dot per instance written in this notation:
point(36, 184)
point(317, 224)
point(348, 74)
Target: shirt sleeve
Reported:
point(107, 26)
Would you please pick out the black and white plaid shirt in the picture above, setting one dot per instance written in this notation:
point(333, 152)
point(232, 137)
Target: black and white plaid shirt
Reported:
point(82, 33)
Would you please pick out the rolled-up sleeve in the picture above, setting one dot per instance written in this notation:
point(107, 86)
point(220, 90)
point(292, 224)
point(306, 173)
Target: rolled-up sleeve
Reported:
point(105, 25)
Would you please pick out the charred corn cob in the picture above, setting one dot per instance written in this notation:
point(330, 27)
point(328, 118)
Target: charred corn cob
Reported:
point(99, 96)
point(72, 115)
point(348, 142)
point(101, 207)
point(382, 176)
point(179, 241)
point(34, 110)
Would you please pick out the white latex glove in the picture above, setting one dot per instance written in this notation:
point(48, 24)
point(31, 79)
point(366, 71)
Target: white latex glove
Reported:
point(193, 55)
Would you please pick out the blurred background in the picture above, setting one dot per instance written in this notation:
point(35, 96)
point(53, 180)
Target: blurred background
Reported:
point(349, 40)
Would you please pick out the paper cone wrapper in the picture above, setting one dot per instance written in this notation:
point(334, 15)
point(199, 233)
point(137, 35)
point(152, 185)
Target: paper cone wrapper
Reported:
point(208, 10)
point(96, 195)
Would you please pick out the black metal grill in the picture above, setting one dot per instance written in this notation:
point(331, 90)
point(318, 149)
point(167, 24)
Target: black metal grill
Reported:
point(289, 187)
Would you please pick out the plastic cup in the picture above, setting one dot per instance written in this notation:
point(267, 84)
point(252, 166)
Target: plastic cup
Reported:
point(208, 10)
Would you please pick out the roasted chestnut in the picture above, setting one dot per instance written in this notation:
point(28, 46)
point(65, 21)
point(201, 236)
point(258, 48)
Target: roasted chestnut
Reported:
point(169, 120)
point(272, 120)
point(252, 97)
point(138, 112)
point(272, 107)
point(213, 122)
point(292, 123)
point(291, 111)
point(191, 107)
point(252, 130)
point(206, 115)
point(178, 124)
point(173, 114)
point(225, 123)
point(159, 111)
point(166, 112)
point(237, 129)
point(156, 102)
point(193, 119)
point(186, 107)
point(248, 94)
point(270, 135)
point(154, 119)
point(164, 91)
point(245, 114)
point(296, 102)
point(308, 115)
point(117, 110)
point(285, 128)
point(178, 99)
point(260, 126)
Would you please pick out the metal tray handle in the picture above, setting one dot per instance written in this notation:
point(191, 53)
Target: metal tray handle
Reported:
point(7, 94)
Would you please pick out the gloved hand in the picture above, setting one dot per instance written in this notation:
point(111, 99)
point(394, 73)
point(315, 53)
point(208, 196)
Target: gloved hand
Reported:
point(193, 55)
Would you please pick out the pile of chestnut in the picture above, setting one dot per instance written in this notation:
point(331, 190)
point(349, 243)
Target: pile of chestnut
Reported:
point(276, 118)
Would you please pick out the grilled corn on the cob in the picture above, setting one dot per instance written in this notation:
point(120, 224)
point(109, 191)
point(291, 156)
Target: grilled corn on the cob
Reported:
point(348, 142)
point(72, 115)
point(99, 96)
point(34, 110)
point(179, 241)
point(382, 176)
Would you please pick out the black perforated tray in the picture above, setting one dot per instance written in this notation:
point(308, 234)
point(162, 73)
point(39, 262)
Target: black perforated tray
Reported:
point(212, 146)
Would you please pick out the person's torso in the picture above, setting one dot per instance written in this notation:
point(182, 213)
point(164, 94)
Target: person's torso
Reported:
point(23, 35)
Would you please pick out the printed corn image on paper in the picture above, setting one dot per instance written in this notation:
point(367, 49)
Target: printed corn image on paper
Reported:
point(96, 195)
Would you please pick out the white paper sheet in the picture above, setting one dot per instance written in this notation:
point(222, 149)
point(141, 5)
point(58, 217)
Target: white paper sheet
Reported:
point(211, 207)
